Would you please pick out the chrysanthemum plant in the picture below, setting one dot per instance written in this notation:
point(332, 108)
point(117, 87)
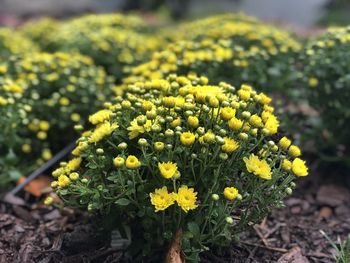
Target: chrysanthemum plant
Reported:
point(325, 74)
point(42, 97)
point(232, 51)
point(180, 157)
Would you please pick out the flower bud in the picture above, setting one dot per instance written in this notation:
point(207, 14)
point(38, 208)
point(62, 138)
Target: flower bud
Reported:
point(246, 114)
point(289, 191)
point(54, 184)
point(229, 220)
point(222, 132)
point(223, 156)
point(274, 148)
point(84, 180)
point(243, 136)
point(100, 151)
point(193, 156)
point(156, 128)
point(78, 127)
point(152, 114)
point(141, 120)
point(169, 146)
point(265, 131)
point(142, 142)
point(254, 132)
point(159, 146)
point(118, 162)
point(239, 197)
point(200, 130)
point(122, 146)
point(74, 176)
point(169, 133)
point(215, 197)
point(219, 140)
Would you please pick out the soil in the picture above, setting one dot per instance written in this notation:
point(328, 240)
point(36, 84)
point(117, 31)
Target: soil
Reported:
point(31, 232)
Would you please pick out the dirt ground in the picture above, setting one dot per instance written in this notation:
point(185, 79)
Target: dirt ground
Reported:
point(34, 233)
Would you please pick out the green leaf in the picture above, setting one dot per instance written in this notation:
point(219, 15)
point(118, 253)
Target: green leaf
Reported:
point(193, 228)
point(122, 201)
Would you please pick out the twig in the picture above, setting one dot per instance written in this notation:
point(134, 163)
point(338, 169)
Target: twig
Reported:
point(277, 249)
point(263, 239)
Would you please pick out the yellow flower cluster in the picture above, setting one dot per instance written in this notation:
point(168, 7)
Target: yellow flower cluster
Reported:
point(181, 153)
point(42, 97)
point(233, 49)
point(14, 43)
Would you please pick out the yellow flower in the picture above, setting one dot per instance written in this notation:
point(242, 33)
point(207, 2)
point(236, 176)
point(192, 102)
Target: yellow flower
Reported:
point(100, 116)
point(299, 167)
point(44, 125)
point(230, 145)
point(167, 170)
point(41, 135)
point(255, 120)
point(313, 82)
point(73, 164)
point(284, 143)
point(230, 193)
point(294, 151)
point(147, 105)
point(159, 146)
point(208, 137)
point(63, 180)
point(3, 101)
point(193, 121)
point(227, 113)
point(118, 162)
point(132, 162)
point(235, 124)
point(161, 199)
point(169, 102)
point(187, 138)
point(244, 94)
point(264, 99)
point(286, 165)
point(135, 129)
point(176, 122)
point(186, 198)
point(258, 167)
point(272, 124)
point(102, 131)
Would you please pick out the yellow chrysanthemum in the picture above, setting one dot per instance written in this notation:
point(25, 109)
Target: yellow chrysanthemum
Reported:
point(102, 131)
point(258, 167)
point(63, 181)
point(187, 138)
point(284, 143)
point(230, 193)
point(230, 145)
point(161, 199)
point(294, 151)
point(272, 124)
point(186, 198)
point(227, 113)
point(73, 164)
point(100, 116)
point(135, 130)
point(286, 165)
point(132, 162)
point(167, 170)
point(235, 124)
point(255, 120)
point(299, 167)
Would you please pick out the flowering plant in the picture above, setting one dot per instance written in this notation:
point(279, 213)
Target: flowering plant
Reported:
point(325, 73)
point(13, 43)
point(35, 90)
point(114, 41)
point(232, 51)
point(179, 157)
